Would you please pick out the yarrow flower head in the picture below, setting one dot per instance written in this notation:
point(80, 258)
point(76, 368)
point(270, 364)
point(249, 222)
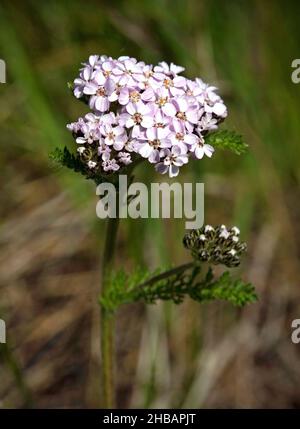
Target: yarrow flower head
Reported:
point(143, 111)
point(218, 245)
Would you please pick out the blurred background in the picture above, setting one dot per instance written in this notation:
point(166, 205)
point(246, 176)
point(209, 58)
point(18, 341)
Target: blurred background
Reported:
point(210, 355)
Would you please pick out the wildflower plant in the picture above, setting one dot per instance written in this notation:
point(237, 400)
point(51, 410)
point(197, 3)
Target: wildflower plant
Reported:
point(139, 112)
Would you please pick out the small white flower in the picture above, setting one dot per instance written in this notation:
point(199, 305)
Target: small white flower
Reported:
point(232, 252)
point(235, 230)
point(110, 165)
point(173, 159)
point(92, 164)
point(224, 233)
point(235, 239)
point(208, 228)
point(202, 237)
point(125, 158)
point(200, 149)
point(81, 149)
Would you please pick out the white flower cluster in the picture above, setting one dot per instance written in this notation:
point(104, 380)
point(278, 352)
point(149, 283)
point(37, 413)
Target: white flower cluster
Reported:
point(143, 110)
point(218, 245)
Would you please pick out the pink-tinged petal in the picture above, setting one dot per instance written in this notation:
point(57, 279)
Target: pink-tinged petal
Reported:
point(162, 133)
point(102, 104)
point(117, 71)
point(79, 81)
point(165, 152)
point(199, 152)
point(129, 123)
point(118, 130)
point(189, 127)
point(102, 130)
point(128, 64)
point(85, 128)
point(131, 108)
point(159, 76)
point(121, 138)
point(78, 92)
point(105, 156)
point(169, 109)
point(99, 78)
point(142, 108)
point(182, 104)
point(178, 162)
point(87, 73)
point(90, 88)
point(80, 140)
point(192, 116)
point(123, 79)
point(173, 170)
point(208, 109)
point(208, 150)
point(191, 139)
point(184, 158)
point(161, 168)
point(178, 126)
point(145, 150)
point(91, 117)
point(147, 122)
point(154, 157)
point(113, 97)
point(118, 145)
point(176, 150)
point(176, 91)
point(179, 81)
point(165, 143)
point(108, 141)
point(151, 134)
point(109, 86)
point(124, 96)
point(173, 138)
point(148, 95)
point(213, 97)
point(219, 109)
point(93, 59)
point(176, 69)
point(107, 66)
point(139, 77)
point(183, 147)
point(123, 118)
point(159, 117)
point(136, 131)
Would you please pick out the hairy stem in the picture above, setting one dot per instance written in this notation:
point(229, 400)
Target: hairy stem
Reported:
point(107, 319)
point(166, 274)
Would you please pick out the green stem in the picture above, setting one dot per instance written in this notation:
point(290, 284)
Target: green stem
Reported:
point(107, 320)
point(166, 274)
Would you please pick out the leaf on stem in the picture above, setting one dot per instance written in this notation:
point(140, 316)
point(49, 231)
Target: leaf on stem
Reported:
point(226, 139)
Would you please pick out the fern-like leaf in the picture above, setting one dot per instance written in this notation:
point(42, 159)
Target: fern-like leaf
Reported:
point(175, 285)
point(227, 140)
point(65, 158)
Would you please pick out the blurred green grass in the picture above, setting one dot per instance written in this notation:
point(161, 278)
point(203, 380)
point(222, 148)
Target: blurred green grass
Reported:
point(236, 45)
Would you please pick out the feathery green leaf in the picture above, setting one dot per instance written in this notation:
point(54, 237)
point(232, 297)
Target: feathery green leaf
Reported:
point(227, 140)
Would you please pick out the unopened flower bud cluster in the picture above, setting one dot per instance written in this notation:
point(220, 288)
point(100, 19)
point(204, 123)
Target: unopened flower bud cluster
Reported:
point(218, 245)
point(140, 110)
